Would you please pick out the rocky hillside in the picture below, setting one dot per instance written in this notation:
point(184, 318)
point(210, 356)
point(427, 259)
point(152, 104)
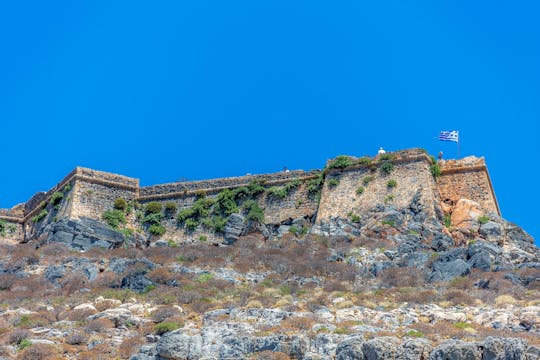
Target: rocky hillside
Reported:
point(387, 283)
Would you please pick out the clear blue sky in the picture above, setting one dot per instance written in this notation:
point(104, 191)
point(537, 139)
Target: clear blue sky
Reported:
point(162, 90)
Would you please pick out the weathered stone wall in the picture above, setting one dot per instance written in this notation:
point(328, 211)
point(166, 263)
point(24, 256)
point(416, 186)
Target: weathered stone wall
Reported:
point(295, 205)
point(94, 195)
point(411, 173)
point(467, 178)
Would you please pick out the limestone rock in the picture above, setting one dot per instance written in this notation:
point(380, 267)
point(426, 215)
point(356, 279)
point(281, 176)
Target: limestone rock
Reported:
point(234, 228)
point(496, 348)
point(350, 349)
point(456, 350)
point(466, 213)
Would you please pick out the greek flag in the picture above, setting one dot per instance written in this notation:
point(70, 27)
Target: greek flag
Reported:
point(449, 136)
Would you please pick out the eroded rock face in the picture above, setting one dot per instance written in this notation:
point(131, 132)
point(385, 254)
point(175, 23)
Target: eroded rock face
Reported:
point(466, 213)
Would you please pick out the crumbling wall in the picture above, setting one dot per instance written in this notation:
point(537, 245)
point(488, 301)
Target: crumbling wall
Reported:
point(466, 178)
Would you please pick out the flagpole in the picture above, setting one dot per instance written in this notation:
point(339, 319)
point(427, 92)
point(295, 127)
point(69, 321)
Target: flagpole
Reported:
point(458, 147)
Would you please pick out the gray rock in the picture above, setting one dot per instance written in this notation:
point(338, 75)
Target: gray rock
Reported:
point(136, 282)
point(445, 271)
point(456, 350)
point(350, 349)
point(54, 273)
point(517, 234)
point(121, 265)
point(490, 229)
point(532, 353)
point(179, 346)
point(415, 349)
point(496, 348)
point(235, 227)
point(382, 348)
point(442, 242)
point(83, 234)
point(299, 347)
point(85, 266)
point(481, 260)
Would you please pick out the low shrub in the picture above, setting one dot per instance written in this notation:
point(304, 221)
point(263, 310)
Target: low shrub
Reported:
point(391, 183)
point(42, 214)
point(157, 230)
point(367, 179)
point(120, 204)
point(333, 182)
point(254, 211)
point(387, 168)
point(170, 208)
point(114, 218)
point(165, 327)
point(276, 192)
point(360, 190)
point(483, 219)
point(340, 162)
point(153, 207)
point(56, 198)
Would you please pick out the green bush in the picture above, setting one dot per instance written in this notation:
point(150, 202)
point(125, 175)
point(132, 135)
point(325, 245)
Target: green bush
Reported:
point(170, 207)
point(360, 190)
point(3, 227)
point(355, 218)
point(24, 344)
point(153, 219)
point(483, 219)
point(391, 183)
point(153, 207)
point(314, 186)
point(340, 162)
point(165, 327)
point(120, 204)
point(333, 182)
point(447, 220)
point(204, 278)
point(367, 179)
point(276, 192)
point(114, 218)
point(185, 214)
point(56, 198)
point(42, 214)
point(254, 211)
point(387, 168)
point(225, 203)
point(203, 238)
point(255, 188)
point(364, 161)
point(291, 185)
point(157, 230)
point(435, 170)
point(386, 157)
point(389, 198)
point(191, 224)
point(388, 222)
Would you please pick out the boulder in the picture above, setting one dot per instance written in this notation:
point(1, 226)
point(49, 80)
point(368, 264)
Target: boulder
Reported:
point(441, 242)
point(350, 349)
point(83, 234)
point(137, 282)
point(381, 348)
point(490, 229)
point(415, 349)
point(497, 348)
point(234, 227)
point(445, 271)
point(176, 345)
point(456, 350)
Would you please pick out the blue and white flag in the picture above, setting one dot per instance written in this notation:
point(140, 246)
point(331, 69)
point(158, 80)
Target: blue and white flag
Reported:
point(449, 136)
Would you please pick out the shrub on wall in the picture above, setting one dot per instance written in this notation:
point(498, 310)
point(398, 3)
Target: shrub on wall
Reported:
point(153, 207)
point(387, 168)
point(254, 212)
point(114, 218)
point(333, 182)
point(170, 208)
point(3, 227)
point(56, 198)
point(120, 204)
point(43, 213)
point(340, 162)
point(367, 179)
point(276, 192)
point(156, 230)
point(391, 183)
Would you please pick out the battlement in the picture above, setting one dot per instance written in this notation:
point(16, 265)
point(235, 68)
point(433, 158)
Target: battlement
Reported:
point(343, 191)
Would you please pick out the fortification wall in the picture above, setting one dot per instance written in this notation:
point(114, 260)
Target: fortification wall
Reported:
point(94, 192)
point(467, 178)
point(295, 204)
point(411, 173)
point(11, 229)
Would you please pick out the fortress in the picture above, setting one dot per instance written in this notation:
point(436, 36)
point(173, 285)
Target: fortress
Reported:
point(351, 187)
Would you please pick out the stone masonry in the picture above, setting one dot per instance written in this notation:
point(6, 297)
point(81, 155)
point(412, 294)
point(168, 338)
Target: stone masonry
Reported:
point(88, 193)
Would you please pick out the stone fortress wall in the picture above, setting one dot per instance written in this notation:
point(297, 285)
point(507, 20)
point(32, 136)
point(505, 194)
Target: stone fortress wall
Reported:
point(89, 193)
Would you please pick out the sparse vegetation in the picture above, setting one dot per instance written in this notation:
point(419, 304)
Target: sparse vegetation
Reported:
point(114, 218)
point(164, 327)
point(340, 162)
point(447, 220)
point(153, 207)
point(387, 168)
point(56, 198)
point(360, 190)
point(483, 219)
point(367, 179)
point(391, 183)
point(389, 198)
point(333, 182)
point(120, 204)
point(42, 214)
